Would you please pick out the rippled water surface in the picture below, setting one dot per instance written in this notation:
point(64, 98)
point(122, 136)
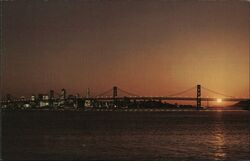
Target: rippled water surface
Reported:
point(193, 135)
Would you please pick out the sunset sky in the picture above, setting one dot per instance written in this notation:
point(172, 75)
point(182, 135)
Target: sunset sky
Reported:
point(148, 47)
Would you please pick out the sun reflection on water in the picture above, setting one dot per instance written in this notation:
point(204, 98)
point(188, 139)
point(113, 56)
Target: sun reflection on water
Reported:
point(219, 146)
point(218, 141)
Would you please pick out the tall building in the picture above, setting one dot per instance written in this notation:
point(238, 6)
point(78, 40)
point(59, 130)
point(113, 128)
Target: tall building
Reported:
point(51, 94)
point(8, 97)
point(63, 94)
point(40, 97)
point(51, 98)
point(62, 98)
point(88, 93)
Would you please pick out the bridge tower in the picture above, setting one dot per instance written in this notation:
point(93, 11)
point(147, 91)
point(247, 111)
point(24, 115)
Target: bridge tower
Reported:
point(114, 91)
point(114, 96)
point(198, 98)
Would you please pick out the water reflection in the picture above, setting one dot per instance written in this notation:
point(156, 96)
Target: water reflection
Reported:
point(219, 146)
point(126, 136)
point(218, 140)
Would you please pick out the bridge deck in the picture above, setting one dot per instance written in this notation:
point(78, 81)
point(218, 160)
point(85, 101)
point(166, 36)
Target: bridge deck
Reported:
point(144, 98)
point(168, 98)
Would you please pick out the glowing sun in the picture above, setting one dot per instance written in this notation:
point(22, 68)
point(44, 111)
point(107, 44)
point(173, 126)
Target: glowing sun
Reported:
point(219, 100)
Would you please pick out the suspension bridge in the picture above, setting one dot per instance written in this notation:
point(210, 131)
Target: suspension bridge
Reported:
point(112, 94)
point(117, 94)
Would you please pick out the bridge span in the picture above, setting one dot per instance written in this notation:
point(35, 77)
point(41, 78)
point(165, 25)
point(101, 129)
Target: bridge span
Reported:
point(163, 98)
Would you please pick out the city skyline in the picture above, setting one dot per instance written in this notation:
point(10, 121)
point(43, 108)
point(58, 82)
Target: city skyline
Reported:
point(147, 47)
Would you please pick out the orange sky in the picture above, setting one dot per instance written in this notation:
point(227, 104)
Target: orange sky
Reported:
point(146, 47)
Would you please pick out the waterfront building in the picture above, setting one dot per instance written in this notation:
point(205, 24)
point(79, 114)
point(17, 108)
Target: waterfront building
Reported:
point(43, 104)
point(33, 98)
point(88, 104)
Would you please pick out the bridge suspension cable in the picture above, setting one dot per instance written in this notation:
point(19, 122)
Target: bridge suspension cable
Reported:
point(126, 92)
point(103, 93)
point(212, 91)
point(179, 93)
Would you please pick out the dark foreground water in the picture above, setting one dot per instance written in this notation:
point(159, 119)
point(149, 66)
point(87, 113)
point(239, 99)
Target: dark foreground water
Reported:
point(162, 136)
